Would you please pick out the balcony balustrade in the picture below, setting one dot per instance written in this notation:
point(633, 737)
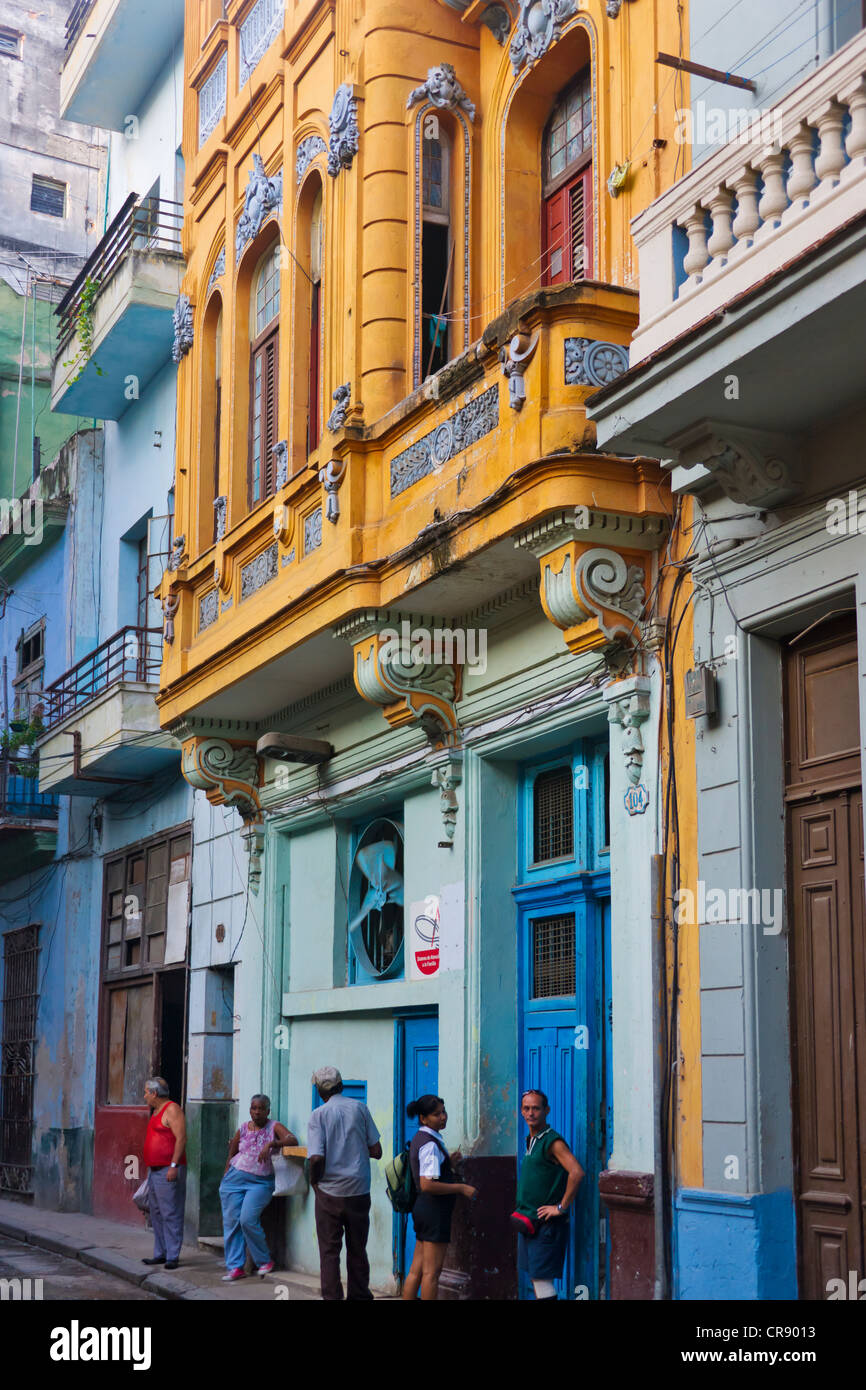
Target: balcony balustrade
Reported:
point(794, 176)
point(101, 726)
point(128, 290)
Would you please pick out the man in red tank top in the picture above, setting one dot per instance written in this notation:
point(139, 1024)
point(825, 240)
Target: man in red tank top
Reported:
point(165, 1156)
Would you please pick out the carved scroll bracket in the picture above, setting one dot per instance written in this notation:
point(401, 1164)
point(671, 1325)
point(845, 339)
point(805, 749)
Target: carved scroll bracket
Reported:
point(229, 775)
point(515, 358)
point(753, 468)
point(331, 477)
point(397, 665)
point(593, 594)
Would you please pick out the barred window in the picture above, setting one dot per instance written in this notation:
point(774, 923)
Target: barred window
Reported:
point(553, 972)
point(553, 816)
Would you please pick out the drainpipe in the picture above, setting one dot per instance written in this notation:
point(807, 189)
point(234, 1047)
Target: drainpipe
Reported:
point(658, 1005)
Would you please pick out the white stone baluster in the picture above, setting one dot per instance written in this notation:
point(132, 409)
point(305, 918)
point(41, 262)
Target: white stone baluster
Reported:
point(747, 220)
point(856, 141)
point(832, 158)
point(721, 208)
point(802, 178)
point(696, 230)
point(774, 199)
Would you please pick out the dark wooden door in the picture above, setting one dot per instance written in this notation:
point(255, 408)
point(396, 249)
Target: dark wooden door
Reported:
point(828, 954)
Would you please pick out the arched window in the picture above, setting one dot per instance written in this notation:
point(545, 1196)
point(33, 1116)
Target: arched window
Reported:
point(567, 186)
point(315, 371)
point(218, 384)
point(437, 246)
point(264, 374)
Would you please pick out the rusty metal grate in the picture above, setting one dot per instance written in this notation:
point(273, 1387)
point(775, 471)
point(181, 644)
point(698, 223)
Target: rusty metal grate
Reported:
point(553, 974)
point(553, 816)
point(17, 1075)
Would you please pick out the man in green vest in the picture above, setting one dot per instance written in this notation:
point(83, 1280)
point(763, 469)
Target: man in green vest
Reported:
point(549, 1178)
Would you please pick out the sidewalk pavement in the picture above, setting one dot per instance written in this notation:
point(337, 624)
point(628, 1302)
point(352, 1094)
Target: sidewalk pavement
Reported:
point(119, 1249)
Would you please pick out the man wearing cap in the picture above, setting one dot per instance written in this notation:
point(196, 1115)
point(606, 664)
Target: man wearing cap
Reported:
point(341, 1140)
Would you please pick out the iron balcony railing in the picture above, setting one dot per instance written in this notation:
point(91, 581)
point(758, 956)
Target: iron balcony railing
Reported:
point(20, 797)
point(132, 654)
point(78, 16)
point(143, 225)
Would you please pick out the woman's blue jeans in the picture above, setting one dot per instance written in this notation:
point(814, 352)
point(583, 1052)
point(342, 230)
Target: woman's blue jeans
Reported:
point(243, 1199)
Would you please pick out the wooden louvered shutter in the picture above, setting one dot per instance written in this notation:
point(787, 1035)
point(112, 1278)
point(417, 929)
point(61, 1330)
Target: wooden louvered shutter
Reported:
point(580, 226)
point(269, 430)
point(556, 261)
point(264, 394)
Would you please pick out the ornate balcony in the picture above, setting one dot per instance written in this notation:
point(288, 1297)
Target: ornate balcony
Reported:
point(28, 818)
point(418, 512)
point(116, 320)
point(102, 730)
point(115, 50)
point(746, 265)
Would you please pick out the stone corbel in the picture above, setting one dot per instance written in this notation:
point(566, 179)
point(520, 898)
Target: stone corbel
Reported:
point(331, 477)
point(447, 776)
point(629, 707)
point(753, 468)
point(515, 359)
point(223, 569)
point(229, 775)
point(393, 669)
point(593, 594)
point(170, 605)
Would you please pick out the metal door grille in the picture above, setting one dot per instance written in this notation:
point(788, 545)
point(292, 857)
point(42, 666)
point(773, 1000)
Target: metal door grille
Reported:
point(20, 998)
point(553, 816)
point(553, 974)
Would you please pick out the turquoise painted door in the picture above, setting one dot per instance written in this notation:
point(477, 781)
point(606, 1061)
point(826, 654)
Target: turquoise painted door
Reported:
point(417, 1071)
point(563, 925)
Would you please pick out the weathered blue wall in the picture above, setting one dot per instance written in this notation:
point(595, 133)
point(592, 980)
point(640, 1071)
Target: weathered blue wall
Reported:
point(732, 1247)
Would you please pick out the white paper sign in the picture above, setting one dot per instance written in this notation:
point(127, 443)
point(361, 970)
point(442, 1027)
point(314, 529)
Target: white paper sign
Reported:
point(422, 939)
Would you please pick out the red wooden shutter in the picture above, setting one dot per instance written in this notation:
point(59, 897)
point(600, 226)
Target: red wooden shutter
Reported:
point(555, 224)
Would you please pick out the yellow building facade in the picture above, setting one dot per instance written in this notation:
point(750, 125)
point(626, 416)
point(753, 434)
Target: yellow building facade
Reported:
point(408, 266)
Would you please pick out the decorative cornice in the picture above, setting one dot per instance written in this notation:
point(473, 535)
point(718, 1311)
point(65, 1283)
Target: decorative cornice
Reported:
point(443, 90)
point(345, 136)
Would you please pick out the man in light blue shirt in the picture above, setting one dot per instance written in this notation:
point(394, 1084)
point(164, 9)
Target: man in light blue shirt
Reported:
point(341, 1140)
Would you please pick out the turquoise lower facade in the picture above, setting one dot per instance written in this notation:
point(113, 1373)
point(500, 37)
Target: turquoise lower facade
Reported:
point(731, 1247)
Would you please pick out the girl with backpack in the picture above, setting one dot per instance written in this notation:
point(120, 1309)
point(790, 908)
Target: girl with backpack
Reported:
point(437, 1190)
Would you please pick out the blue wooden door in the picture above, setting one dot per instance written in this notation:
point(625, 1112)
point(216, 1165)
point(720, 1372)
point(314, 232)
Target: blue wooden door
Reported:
point(563, 925)
point(417, 1074)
